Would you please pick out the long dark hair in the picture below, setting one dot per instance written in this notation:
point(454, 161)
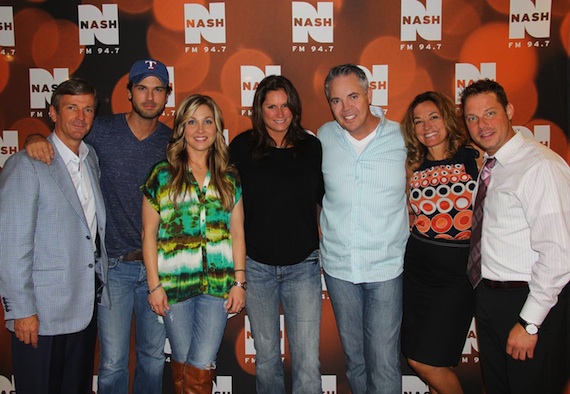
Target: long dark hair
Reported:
point(296, 134)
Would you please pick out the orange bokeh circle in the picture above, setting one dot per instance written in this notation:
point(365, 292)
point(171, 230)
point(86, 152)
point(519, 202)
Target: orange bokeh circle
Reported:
point(54, 41)
point(558, 140)
point(171, 15)
point(25, 37)
point(4, 72)
point(128, 6)
point(524, 100)
point(28, 126)
point(168, 47)
point(230, 78)
point(490, 44)
point(402, 64)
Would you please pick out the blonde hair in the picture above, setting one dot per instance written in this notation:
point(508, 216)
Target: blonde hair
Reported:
point(218, 155)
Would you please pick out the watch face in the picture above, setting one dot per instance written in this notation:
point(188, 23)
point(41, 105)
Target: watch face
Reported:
point(532, 329)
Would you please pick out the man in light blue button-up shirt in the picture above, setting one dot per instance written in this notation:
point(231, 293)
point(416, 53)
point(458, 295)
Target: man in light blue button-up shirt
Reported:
point(364, 223)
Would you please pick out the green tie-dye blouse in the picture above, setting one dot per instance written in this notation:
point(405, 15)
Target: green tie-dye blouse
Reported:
point(194, 241)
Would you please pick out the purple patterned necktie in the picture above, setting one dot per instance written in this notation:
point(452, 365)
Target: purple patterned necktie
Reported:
point(474, 262)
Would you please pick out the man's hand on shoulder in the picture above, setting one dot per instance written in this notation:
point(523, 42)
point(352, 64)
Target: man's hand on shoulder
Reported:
point(520, 344)
point(26, 330)
point(37, 147)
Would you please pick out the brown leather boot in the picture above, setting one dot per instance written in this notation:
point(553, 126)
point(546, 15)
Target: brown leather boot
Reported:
point(177, 376)
point(198, 381)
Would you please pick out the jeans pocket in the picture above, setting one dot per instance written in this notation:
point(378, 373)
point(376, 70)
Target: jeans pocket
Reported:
point(313, 258)
point(113, 263)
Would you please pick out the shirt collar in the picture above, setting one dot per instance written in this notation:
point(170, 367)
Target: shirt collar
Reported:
point(508, 151)
point(377, 111)
point(67, 154)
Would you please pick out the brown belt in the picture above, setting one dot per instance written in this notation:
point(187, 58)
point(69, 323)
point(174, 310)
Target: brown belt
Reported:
point(513, 284)
point(135, 255)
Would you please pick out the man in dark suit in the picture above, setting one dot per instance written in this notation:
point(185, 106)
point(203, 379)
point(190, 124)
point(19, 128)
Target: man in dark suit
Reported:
point(52, 264)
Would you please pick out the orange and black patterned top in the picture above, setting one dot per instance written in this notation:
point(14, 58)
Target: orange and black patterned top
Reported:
point(440, 196)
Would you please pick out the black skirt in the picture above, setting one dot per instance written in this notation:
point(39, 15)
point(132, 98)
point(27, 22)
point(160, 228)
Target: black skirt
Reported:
point(438, 301)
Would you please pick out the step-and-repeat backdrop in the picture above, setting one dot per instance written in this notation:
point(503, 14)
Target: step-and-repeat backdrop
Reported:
point(224, 49)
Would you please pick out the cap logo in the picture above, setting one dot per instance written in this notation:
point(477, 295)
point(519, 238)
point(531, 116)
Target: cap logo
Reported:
point(150, 64)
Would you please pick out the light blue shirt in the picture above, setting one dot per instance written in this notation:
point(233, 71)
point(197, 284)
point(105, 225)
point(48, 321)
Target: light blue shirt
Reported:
point(364, 220)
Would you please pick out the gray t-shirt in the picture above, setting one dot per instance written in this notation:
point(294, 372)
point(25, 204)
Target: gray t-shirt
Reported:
point(125, 162)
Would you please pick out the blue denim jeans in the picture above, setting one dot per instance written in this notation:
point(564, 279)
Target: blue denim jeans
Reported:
point(368, 316)
point(128, 287)
point(297, 288)
point(195, 328)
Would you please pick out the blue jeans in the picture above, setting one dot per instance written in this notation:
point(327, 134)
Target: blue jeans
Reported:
point(368, 316)
point(195, 328)
point(298, 289)
point(128, 287)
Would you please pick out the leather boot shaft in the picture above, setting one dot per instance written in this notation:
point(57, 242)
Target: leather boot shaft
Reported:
point(198, 381)
point(177, 376)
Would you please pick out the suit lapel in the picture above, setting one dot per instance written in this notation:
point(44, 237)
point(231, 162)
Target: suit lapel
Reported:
point(93, 170)
point(63, 180)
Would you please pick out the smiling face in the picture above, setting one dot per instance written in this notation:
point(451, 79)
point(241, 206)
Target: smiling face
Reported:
point(148, 97)
point(200, 131)
point(276, 114)
point(429, 126)
point(489, 123)
point(73, 119)
point(350, 104)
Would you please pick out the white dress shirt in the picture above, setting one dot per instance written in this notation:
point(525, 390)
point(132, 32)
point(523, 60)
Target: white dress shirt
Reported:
point(526, 223)
point(77, 168)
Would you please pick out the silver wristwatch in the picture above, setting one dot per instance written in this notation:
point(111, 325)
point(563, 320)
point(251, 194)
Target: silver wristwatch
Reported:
point(530, 328)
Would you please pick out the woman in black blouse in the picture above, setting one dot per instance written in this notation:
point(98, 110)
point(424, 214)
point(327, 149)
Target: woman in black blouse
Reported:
point(279, 163)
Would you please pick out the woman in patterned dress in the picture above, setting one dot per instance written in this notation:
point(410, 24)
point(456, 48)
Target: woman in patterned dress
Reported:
point(438, 298)
point(193, 242)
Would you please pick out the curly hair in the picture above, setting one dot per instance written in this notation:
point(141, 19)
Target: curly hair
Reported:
point(456, 135)
point(218, 154)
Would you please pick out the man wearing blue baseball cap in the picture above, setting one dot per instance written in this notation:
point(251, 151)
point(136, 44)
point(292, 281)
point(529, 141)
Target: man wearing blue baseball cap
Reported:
point(149, 68)
point(128, 145)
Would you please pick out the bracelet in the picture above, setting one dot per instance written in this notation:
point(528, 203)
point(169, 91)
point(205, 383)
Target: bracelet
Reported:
point(158, 286)
point(239, 270)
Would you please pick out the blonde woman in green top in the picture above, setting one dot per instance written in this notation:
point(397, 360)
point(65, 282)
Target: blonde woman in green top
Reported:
point(193, 242)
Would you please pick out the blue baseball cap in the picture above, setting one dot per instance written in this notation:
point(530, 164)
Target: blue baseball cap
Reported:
point(147, 68)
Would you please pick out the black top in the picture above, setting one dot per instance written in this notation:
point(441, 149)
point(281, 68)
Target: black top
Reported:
point(280, 196)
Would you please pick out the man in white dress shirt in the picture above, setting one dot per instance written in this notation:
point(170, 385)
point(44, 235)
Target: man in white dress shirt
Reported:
point(52, 261)
point(522, 300)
